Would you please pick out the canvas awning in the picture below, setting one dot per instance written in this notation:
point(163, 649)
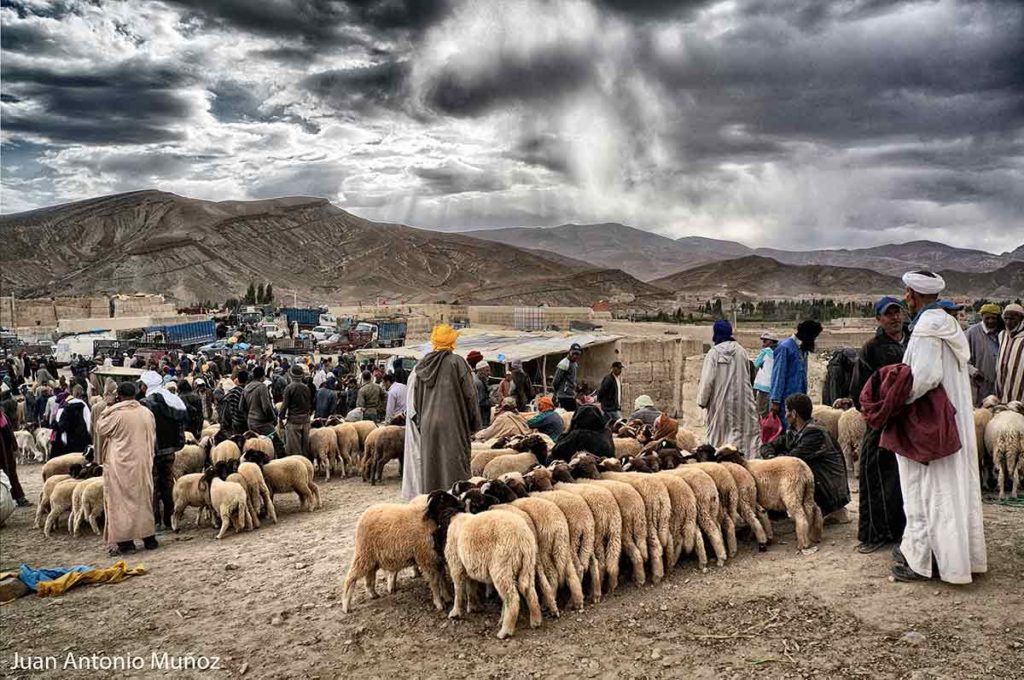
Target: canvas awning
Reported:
point(500, 347)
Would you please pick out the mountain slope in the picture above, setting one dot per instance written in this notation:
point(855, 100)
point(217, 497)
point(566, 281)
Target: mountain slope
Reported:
point(1005, 282)
point(757, 276)
point(649, 256)
point(640, 253)
point(194, 250)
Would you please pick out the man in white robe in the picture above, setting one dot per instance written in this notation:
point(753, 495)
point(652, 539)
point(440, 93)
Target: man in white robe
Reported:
point(942, 500)
point(725, 391)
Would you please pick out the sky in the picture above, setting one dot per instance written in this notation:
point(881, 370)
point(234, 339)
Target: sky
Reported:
point(785, 123)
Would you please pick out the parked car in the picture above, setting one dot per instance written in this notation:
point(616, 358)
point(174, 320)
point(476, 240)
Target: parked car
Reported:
point(321, 332)
point(271, 331)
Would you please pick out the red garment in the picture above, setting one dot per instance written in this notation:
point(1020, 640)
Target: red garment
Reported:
point(922, 431)
point(771, 427)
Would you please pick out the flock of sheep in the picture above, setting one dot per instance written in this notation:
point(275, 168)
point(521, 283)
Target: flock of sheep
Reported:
point(233, 481)
point(529, 530)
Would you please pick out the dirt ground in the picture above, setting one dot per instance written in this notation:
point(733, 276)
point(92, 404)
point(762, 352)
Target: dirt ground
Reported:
point(267, 604)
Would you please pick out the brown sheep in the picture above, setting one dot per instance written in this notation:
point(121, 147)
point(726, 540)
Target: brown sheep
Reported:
point(728, 499)
point(658, 508)
point(497, 548)
point(828, 416)
point(851, 433)
point(323, 444)
point(752, 513)
point(257, 442)
point(685, 439)
point(626, 447)
point(190, 458)
point(62, 464)
point(708, 507)
point(583, 469)
point(90, 504)
point(227, 498)
point(348, 443)
point(581, 536)
point(607, 518)
point(481, 458)
point(225, 451)
point(363, 429)
point(516, 462)
point(683, 523)
point(188, 493)
point(786, 484)
point(43, 506)
point(262, 499)
point(289, 474)
point(60, 502)
point(385, 444)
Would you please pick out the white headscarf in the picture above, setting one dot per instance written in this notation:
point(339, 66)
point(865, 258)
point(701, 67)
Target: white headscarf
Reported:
point(155, 385)
point(925, 285)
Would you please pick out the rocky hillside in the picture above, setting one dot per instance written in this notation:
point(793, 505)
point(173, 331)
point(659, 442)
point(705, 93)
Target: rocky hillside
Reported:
point(154, 241)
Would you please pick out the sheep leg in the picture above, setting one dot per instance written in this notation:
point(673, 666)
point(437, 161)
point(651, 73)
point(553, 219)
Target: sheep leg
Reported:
point(178, 513)
point(729, 532)
point(713, 531)
point(51, 520)
point(530, 593)
point(755, 525)
point(1000, 464)
point(225, 521)
point(41, 510)
point(637, 560)
point(505, 584)
point(1015, 472)
point(458, 575)
point(595, 584)
point(317, 503)
point(355, 571)
point(93, 523)
point(698, 548)
point(612, 555)
point(546, 577)
point(656, 553)
point(370, 582)
point(392, 582)
point(766, 524)
point(436, 582)
point(268, 504)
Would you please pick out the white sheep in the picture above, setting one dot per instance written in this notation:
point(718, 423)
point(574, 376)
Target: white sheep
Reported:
point(228, 500)
point(1004, 437)
point(89, 498)
point(188, 492)
point(29, 450)
point(852, 427)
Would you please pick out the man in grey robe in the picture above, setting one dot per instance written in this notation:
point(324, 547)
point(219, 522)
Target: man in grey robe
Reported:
point(725, 391)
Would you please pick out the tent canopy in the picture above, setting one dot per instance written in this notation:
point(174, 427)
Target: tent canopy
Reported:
point(500, 347)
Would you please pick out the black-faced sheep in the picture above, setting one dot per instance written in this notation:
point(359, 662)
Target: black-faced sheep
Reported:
point(43, 506)
point(60, 502)
point(581, 537)
point(227, 498)
point(225, 451)
point(496, 548)
point(87, 504)
point(189, 492)
point(708, 507)
point(391, 537)
point(583, 469)
point(513, 462)
point(658, 509)
point(254, 441)
point(62, 464)
point(190, 458)
point(785, 484)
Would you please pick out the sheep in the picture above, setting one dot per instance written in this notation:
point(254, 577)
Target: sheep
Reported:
point(284, 475)
point(658, 508)
point(188, 492)
point(581, 537)
point(497, 548)
point(348, 442)
point(606, 513)
point(62, 464)
point(225, 451)
point(553, 539)
point(852, 427)
point(516, 462)
point(393, 536)
point(323, 444)
point(363, 429)
point(708, 507)
point(685, 439)
point(60, 502)
point(87, 505)
point(209, 431)
point(747, 506)
point(828, 416)
point(982, 417)
point(28, 448)
point(42, 435)
point(728, 499)
point(583, 469)
point(481, 458)
point(255, 441)
point(190, 458)
point(261, 498)
point(566, 417)
point(626, 447)
point(227, 498)
point(1003, 437)
point(43, 506)
point(786, 484)
point(388, 443)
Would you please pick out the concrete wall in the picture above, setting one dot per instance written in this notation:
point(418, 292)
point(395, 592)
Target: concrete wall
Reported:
point(495, 315)
point(141, 305)
point(125, 322)
point(46, 312)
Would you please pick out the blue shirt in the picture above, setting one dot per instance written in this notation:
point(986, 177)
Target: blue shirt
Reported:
point(789, 374)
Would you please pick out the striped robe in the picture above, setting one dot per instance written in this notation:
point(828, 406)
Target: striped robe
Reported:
point(1010, 366)
point(726, 393)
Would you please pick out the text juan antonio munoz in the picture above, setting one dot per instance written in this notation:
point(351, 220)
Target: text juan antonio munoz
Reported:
point(120, 662)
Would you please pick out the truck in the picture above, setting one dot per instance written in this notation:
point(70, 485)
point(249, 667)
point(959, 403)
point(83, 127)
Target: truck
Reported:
point(193, 333)
point(384, 332)
point(78, 345)
point(307, 317)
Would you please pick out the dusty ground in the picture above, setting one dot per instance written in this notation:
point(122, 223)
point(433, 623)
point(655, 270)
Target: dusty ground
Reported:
point(267, 602)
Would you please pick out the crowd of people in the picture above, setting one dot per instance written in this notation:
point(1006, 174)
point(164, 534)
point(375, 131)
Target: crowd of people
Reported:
point(923, 502)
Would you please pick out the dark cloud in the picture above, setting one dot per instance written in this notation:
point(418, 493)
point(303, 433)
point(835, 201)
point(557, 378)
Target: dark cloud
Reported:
point(541, 77)
point(457, 178)
point(133, 102)
point(360, 88)
point(56, 9)
point(654, 8)
point(318, 179)
point(544, 149)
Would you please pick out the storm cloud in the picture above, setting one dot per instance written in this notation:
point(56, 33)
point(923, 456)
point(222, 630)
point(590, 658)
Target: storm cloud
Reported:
point(797, 123)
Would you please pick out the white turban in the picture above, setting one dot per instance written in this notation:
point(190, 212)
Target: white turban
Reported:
point(923, 284)
point(155, 385)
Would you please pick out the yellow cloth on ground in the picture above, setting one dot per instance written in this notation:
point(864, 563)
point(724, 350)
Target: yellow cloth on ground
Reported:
point(114, 574)
point(443, 338)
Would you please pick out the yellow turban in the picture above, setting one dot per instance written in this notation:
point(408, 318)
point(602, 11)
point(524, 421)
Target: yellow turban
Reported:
point(990, 308)
point(443, 338)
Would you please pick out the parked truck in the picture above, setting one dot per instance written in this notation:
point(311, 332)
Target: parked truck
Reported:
point(307, 317)
point(384, 332)
point(78, 345)
point(193, 333)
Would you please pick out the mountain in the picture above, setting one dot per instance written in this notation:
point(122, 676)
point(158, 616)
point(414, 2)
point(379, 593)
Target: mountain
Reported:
point(1006, 282)
point(649, 256)
point(640, 253)
point(756, 276)
point(152, 241)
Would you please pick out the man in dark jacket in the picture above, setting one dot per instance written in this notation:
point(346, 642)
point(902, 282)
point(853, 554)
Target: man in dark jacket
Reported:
point(371, 398)
point(609, 394)
point(811, 443)
point(296, 408)
point(327, 398)
point(227, 407)
point(483, 394)
point(587, 432)
point(171, 416)
point(255, 408)
point(881, 520)
point(564, 382)
point(75, 422)
point(522, 388)
point(193, 406)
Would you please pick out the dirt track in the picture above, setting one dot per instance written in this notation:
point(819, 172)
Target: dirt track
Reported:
point(267, 602)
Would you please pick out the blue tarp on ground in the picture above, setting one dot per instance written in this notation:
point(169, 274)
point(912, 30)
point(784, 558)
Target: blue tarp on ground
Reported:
point(30, 577)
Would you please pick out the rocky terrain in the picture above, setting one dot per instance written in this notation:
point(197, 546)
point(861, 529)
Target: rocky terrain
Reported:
point(197, 250)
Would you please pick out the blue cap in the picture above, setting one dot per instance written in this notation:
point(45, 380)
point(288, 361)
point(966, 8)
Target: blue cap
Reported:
point(949, 305)
point(885, 303)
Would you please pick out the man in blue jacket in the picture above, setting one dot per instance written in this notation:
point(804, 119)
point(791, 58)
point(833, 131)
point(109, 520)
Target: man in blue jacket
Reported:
point(789, 369)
